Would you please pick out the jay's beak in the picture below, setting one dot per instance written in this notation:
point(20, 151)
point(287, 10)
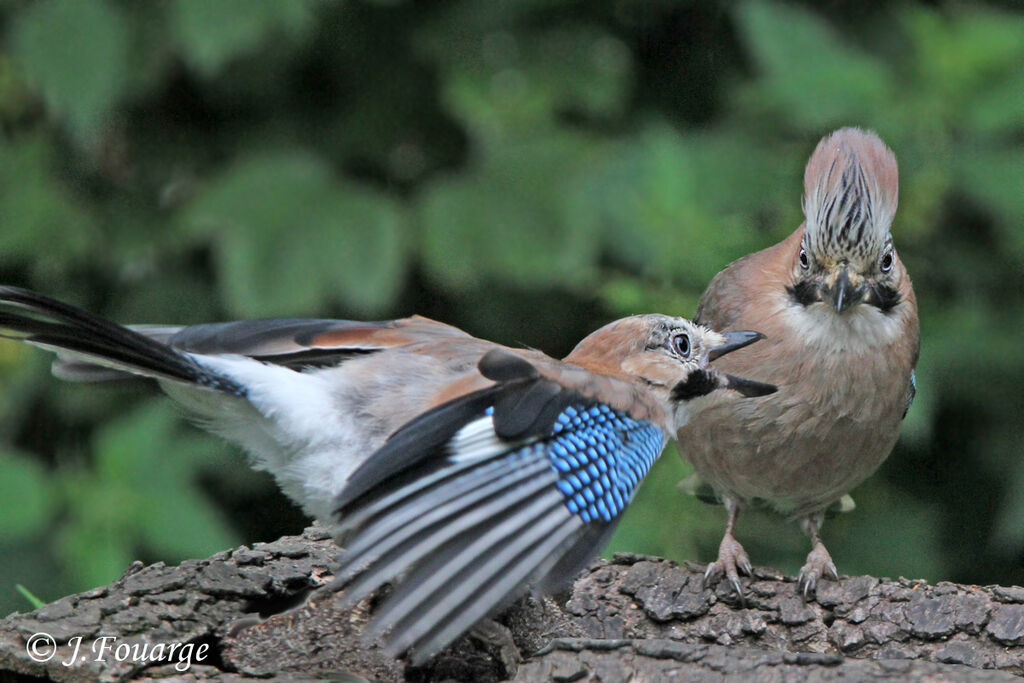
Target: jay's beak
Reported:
point(844, 294)
point(733, 341)
point(749, 387)
point(703, 382)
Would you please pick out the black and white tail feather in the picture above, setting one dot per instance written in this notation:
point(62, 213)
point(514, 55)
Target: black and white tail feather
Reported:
point(461, 510)
point(77, 335)
point(257, 383)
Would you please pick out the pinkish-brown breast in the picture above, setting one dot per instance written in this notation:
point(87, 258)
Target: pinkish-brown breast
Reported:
point(843, 385)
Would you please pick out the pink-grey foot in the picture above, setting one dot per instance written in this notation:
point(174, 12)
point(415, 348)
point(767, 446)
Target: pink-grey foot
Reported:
point(732, 558)
point(819, 563)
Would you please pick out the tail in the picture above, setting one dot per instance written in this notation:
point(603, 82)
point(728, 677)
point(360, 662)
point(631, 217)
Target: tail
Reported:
point(70, 331)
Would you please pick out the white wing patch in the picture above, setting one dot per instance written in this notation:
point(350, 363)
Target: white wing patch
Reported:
point(477, 441)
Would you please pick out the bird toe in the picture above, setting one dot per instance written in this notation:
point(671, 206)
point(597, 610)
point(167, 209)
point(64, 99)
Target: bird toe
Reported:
point(819, 563)
point(807, 582)
point(732, 561)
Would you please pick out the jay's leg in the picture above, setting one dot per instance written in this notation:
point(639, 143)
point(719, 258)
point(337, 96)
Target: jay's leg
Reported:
point(819, 562)
point(732, 559)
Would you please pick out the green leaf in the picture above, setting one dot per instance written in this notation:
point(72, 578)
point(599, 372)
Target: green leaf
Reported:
point(142, 493)
point(997, 107)
point(993, 176)
point(99, 536)
point(76, 50)
point(151, 50)
point(367, 268)
point(128, 446)
point(503, 83)
point(28, 595)
point(99, 553)
point(580, 68)
point(179, 522)
point(36, 212)
point(655, 200)
point(507, 219)
point(290, 237)
point(809, 74)
point(960, 52)
point(867, 541)
point(213, 33)
point(27, 500)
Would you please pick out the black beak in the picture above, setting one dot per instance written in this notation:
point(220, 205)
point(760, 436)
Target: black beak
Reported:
point(749, 387)
point(702, 382)
point(844, 294)
point(733, 341)
point(742, 385)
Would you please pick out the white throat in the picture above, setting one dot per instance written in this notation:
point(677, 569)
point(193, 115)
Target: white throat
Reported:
point(863, 328)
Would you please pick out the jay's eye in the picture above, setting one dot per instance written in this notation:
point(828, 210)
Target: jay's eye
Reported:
point(887, 262)
point(804, 262)
point(681, 344)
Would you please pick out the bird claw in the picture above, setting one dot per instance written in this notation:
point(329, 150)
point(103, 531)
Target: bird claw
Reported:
point(732, 561)
point(819, 563)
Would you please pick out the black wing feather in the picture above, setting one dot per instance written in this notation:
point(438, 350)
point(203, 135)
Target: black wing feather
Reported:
point(417, 440)
point(587, 545)
point(523, 409)
point(60, 326)
point(531, 410)
point(450, 508)
point(486, 574)
point(243, 336)
point(255, 338)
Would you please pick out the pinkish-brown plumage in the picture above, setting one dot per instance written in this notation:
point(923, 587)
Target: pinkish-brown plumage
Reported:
point(840, 317)
point(312, 399)
point(459, 471)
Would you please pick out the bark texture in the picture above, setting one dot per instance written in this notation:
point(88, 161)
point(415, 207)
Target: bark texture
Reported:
point(263, 613)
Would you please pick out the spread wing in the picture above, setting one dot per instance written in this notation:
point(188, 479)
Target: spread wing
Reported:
point(464, 508)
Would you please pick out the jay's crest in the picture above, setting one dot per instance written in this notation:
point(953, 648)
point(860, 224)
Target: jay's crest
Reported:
point(851, 191)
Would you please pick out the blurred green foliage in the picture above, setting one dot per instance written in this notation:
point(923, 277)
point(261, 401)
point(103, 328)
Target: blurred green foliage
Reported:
point(525, 169)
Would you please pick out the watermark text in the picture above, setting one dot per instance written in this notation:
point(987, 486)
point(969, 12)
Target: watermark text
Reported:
point(42, 647)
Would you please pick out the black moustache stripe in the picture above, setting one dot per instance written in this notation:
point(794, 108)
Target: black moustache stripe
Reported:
point(884, 297)
point(699, 383)
point(804, 293)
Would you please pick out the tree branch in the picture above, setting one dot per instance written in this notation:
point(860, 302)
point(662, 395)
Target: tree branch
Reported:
point(633, 616)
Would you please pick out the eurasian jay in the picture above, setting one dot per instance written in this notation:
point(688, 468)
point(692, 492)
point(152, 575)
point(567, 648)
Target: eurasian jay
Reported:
point(839, 313)
point(461, 471)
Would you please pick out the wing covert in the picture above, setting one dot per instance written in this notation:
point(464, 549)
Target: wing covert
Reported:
point(307, 340)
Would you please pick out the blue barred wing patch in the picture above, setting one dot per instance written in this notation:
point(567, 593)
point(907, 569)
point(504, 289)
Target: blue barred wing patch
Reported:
point(911, 394)
point(600, 456)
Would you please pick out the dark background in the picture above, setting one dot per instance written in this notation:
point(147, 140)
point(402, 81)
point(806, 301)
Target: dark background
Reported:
point(527, 170)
